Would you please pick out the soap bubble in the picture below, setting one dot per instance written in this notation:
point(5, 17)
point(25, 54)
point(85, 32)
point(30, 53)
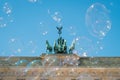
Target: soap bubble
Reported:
point(98, 20)
point(72, 30)
point(15, 46)
point(3, 23)
point(5, 15)
point(86, 47)
point(44, 30)
point(21, 63)
point(35, 63)
point(7, 8)
point(29, 65)
point(33, 1)
point(30, 47)
point(57, 17)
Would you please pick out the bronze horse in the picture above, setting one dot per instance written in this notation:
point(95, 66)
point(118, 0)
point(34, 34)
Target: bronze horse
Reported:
point(48, 47)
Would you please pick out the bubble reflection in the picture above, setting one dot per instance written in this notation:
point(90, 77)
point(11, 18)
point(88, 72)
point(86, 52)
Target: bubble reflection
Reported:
point(97, 20)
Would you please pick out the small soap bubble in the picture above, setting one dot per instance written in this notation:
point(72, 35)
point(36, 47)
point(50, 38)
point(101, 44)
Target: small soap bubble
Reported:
point(56, 17)
point(15, 45)
point(33, 1)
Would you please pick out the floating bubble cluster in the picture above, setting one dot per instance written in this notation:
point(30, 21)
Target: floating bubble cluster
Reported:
point(98, 20)
point(7, 9)
point(56, 16)
point(33, 1)
point(5, 15)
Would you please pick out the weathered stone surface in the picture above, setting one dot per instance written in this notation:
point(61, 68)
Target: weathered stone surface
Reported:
point(95, 68)
point(105, 62)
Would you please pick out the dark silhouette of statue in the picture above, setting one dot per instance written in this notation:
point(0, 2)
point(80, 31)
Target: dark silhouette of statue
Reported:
point(59, 30)
point(60, 46)
point(48, 47)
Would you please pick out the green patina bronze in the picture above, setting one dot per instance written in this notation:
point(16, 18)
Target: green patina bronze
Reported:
point(48, 47)
point(60, 46)
point(72, 47)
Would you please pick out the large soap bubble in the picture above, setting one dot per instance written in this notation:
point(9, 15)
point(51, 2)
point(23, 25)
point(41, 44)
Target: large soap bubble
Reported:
point(97, 20)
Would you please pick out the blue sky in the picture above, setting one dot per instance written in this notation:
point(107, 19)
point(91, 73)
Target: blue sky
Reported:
point(26, 24)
